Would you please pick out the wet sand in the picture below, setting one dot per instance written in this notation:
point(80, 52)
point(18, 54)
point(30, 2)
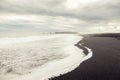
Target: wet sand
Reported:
point(104, 64)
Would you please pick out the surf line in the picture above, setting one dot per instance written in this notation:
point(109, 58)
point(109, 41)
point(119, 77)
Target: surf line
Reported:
point(87, 51)
point(88, 54)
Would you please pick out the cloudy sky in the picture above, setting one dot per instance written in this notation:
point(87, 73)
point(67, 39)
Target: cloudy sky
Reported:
point(85, 16)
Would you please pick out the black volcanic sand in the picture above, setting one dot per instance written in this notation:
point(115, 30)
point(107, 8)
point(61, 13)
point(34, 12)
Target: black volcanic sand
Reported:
point(104, 65)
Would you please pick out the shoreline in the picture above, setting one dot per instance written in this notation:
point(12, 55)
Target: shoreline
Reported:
point(88, 54)
point(104, 65)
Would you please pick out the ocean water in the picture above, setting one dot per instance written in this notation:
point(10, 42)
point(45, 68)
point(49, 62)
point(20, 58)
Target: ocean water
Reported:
point(38, 57)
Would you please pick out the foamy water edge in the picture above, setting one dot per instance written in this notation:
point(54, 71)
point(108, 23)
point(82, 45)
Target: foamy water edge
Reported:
point(57, 67)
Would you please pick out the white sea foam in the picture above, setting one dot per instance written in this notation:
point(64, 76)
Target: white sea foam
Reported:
point(58, 52)
point(7, 40)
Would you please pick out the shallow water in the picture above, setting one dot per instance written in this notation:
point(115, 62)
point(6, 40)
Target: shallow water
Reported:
point(39, 57)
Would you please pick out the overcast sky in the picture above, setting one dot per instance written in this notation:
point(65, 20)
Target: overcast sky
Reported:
point(85, 16)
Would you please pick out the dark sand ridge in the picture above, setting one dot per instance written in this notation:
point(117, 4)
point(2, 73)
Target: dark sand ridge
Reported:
point(105, 63)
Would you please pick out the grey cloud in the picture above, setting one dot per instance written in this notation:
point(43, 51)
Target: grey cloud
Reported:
point(98, 12)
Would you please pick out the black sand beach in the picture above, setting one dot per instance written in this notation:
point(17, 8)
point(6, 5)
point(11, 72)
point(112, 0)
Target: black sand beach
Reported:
point(105, 63)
